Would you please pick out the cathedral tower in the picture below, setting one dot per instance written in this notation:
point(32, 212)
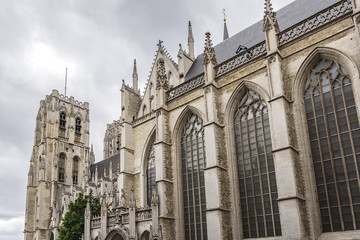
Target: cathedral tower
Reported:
point(58, 164)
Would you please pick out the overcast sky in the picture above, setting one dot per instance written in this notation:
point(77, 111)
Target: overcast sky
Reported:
point(97, 41)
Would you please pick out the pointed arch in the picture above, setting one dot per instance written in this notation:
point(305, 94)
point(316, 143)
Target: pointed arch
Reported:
point(230, 111)
point(183, 117)
point(324, 95)
point(148, 171)
point(116, 234)
point(253, 171)
point(190, 164)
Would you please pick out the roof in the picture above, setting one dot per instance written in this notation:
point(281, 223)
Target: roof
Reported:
point(287, 16)
point(105, 164)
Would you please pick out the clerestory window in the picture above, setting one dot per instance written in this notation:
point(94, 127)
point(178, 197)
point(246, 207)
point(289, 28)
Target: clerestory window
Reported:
point(334, 135)
point(256, 170)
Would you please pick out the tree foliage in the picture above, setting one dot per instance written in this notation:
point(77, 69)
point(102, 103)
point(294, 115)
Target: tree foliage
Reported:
point(72, 226)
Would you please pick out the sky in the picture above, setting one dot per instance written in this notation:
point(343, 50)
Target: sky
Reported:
point(97, 41)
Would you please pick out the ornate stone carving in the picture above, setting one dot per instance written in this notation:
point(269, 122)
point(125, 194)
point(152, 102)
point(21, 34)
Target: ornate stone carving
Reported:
point(209, 51)
point(239, 60)
point(270, 20)
point(315, 21)
point(186, 87)
point(161, 78)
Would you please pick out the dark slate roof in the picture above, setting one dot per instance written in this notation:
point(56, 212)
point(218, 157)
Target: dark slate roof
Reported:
point(287, 16)
point(105, 164)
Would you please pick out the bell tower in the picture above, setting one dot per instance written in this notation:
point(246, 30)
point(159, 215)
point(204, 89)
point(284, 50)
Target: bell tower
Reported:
point(58, 165)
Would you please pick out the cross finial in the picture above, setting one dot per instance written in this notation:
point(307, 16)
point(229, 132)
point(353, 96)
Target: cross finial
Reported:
point(223, 11)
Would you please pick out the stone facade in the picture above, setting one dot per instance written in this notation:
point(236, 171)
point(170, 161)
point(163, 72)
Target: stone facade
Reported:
point(155, 126)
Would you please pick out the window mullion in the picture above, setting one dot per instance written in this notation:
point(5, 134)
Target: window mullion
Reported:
point(244, 174)
point(259, 173)
point(252, 175)
point(344, 164)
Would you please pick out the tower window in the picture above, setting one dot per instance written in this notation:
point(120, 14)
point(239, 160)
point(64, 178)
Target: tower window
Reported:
point(62, 124)
point(61, 171)
point(75, 170)
point(78, 126)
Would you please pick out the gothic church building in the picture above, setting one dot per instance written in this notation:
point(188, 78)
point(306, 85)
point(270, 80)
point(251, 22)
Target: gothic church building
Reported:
point(258, 137)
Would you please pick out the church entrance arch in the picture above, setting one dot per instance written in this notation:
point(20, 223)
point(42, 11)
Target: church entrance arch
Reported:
point(116, 234)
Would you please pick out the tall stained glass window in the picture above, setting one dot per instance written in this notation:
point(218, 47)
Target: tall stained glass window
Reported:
point(150, 174)
point(335, 144)
point(193, 164)
point(256, 172)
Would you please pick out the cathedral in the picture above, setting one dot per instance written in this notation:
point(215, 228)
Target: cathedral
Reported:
point(257, 137)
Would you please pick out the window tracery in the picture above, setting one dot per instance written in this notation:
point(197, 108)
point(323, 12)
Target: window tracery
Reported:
point(334, 134)
point(256, 170)
point(193, 164)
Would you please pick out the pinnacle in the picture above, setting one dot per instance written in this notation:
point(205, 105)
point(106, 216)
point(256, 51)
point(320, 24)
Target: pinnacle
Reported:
point(208, 42)
point(268, 7)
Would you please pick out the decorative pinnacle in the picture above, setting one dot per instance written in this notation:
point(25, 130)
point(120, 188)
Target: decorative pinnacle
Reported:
point(268, 7)
point(190, 34)
point(135, 69)
point(209, 52)
point(269, 17)
point(208, 42)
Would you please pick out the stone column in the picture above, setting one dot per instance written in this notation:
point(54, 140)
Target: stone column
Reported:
point(132, 216)
point(216, 176)
point(103, 217)
point(87, 221)
point(287, 169)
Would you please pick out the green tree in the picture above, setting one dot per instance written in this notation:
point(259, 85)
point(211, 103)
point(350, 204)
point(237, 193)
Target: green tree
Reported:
point(72, 226)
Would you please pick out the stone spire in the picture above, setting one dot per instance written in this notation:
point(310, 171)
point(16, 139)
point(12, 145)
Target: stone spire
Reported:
point(135, 77)
point(191, 42)
point(226, 33)
point(92, 155)
point(270, 19)
point(209, 52)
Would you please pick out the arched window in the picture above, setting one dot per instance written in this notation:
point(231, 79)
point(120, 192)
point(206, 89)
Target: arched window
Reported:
point(193, 164)
point(78, 125)
point(75, 170)
point(150, 174)
point(256, 171)
point(61, 169)
point(335, 144)
point(144, 110)
point(62, 123)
